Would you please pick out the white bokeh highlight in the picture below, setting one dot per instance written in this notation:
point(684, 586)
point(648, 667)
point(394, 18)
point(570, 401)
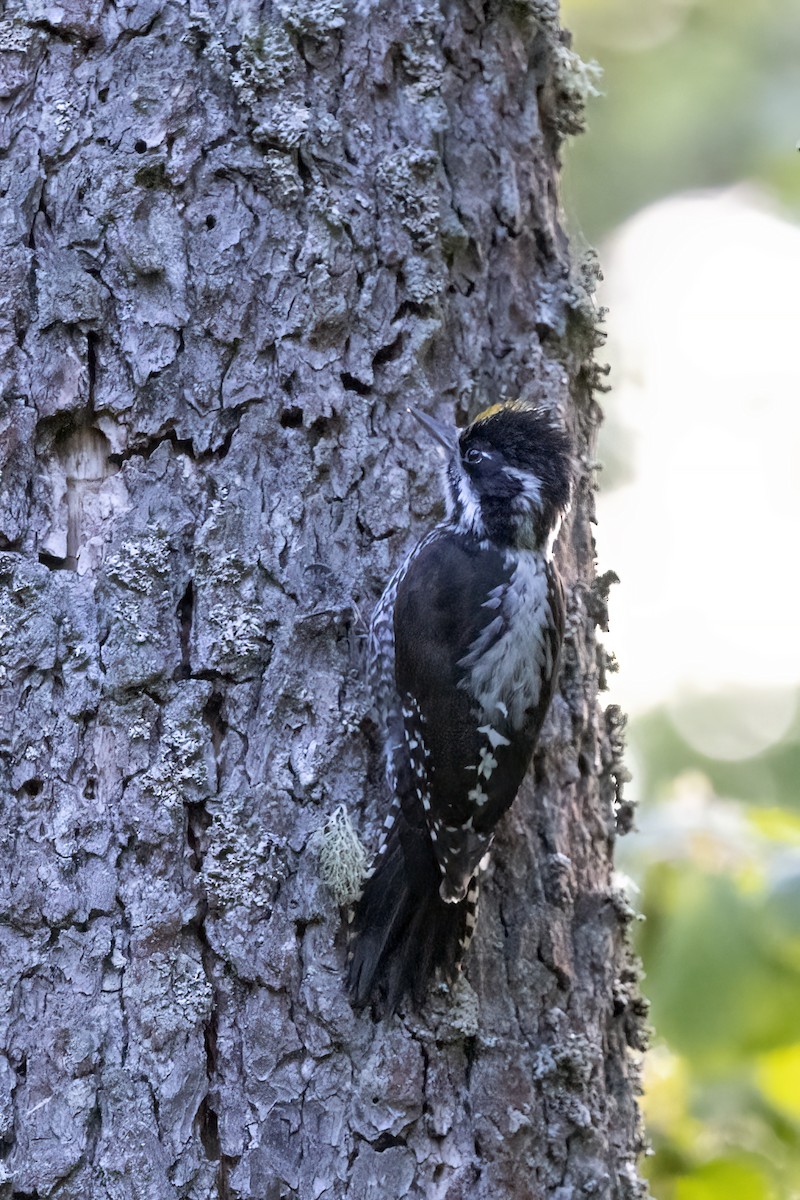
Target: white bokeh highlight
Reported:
point(704, 339)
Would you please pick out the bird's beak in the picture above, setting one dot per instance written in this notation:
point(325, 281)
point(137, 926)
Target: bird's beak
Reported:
point(445, 435)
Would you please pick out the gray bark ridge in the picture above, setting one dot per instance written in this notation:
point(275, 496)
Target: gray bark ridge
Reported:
point(237, 240)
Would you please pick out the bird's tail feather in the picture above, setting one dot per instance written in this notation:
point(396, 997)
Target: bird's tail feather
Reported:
point(403, 934)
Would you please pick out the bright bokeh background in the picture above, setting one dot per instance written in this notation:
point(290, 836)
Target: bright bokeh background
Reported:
point(689, 183)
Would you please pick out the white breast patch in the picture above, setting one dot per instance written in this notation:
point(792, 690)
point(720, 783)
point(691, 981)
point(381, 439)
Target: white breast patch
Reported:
point(506, 663)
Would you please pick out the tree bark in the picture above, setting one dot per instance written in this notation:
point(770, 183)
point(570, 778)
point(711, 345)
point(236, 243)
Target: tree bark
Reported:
point(237, 241)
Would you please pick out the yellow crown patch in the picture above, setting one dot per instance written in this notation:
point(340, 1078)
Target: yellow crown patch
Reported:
point(513, 405)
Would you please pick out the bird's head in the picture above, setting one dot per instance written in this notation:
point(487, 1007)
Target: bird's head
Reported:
point(508, 474)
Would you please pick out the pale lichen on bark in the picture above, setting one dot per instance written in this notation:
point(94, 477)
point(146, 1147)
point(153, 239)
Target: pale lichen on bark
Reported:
point(236, 242)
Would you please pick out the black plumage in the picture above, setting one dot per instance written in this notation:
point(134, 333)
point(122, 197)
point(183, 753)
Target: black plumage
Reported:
point(465, 647)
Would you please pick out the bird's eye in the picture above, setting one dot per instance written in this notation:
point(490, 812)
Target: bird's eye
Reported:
point(473, 455)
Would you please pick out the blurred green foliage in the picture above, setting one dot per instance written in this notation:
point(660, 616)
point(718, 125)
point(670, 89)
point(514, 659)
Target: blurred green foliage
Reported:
point(699, 94)
point(696, 93)
point(720, 891)
point(769, 779)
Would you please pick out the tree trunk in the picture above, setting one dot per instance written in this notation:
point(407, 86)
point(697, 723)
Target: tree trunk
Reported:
point(238, 241)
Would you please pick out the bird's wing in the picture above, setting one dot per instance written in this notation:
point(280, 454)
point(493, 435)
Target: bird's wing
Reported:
point(461, 772)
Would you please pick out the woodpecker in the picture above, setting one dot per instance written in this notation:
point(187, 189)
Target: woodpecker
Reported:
point(464, 653)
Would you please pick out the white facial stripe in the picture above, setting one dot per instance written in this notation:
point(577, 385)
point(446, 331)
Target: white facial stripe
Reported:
point(531, 494)
point(470, 508)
